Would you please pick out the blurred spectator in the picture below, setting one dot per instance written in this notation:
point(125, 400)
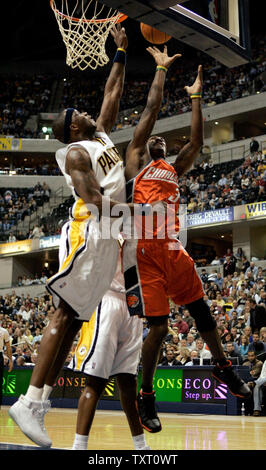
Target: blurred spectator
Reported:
point(169, 360)
point(254, 146)
point(229, 265)
point(231, 352)
point(181, 325)
point(20, 361)
point(252, 269)
point(256, 345)
point(204, 276)
point(216, 261)
point(184, 356)
point(190, 344)
point(187, 318)
point(254, 364)
point(11, 238)
point(258, 392)
point(193, 355)
point(202, 351)
point(244, 344)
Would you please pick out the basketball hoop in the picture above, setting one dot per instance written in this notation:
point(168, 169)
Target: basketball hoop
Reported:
point(85, 36)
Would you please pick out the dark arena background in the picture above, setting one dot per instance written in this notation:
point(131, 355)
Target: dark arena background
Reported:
point(224, 196)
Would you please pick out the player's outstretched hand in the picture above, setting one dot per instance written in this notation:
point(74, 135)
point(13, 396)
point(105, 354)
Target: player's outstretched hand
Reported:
point(197, 85)
point(119, 35)
point(161, 57)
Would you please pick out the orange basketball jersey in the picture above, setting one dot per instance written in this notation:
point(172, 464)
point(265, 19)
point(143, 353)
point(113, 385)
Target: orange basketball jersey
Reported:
point(158, 181)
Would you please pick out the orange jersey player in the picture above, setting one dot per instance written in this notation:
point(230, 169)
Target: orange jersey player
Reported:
point(151, 265)
point(155, 266)
point(158, 181)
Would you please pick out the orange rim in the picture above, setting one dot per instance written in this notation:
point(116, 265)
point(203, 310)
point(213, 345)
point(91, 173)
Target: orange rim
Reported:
point(117, 18)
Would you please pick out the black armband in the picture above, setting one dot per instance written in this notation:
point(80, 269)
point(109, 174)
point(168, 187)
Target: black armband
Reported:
point(120, 56)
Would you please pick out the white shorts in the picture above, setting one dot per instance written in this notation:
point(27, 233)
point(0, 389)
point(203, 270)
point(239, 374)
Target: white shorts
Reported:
point(110, 343)
point(87, 264)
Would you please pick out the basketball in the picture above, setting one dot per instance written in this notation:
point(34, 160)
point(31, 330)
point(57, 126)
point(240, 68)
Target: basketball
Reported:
point(153, 35)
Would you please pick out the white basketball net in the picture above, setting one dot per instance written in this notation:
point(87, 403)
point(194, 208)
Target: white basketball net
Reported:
point(84, 37)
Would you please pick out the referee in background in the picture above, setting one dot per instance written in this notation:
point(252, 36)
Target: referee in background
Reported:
point(4, 343)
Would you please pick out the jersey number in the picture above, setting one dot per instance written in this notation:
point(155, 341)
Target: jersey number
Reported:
point(174, 198)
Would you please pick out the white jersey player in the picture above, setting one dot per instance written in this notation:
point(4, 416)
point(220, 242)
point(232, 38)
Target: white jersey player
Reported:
point(85, 251)
point(109, 345)
point(88, 261)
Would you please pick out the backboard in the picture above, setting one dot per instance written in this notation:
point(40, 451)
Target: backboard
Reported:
point(220, 28)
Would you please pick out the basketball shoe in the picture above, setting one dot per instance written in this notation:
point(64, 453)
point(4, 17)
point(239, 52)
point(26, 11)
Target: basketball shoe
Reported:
point(225, 374)
point(29, 416)
point(147, 412)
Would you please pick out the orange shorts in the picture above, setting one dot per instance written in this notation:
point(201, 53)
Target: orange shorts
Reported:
point(155, 271)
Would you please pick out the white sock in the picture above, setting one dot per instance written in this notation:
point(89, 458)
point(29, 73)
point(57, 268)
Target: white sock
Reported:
point(139, 441)
point(34, 393)
point(47, 389)
point(80, 442)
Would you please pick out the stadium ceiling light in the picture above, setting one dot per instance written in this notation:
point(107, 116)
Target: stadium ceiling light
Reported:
point(216, 123)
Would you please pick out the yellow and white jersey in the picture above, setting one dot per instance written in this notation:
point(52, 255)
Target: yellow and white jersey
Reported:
point(106, 162)
point(111, 342)
point(87, 264)
point(89, 249)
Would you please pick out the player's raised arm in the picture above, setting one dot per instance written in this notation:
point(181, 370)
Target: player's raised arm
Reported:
point(190, 151)
point(115, 83)
point(135, 157)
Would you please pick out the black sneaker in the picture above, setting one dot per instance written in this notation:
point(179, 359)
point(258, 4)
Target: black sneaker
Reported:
point(147, 412)
point(228, 376)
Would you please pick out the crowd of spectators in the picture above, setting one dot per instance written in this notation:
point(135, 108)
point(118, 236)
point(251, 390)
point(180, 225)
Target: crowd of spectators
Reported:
point(220, 85)
point(237, 302)
point(227, 264)
point(34, 280)
point(16, 204)
point(25, 318)
point(36, 168)
point(208, 187)
point(20, 98)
